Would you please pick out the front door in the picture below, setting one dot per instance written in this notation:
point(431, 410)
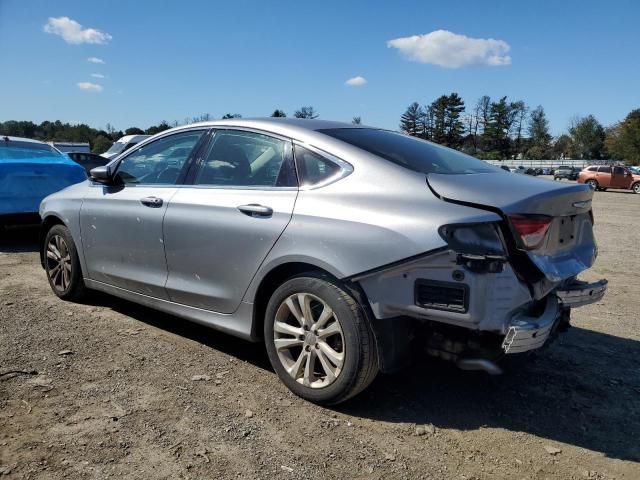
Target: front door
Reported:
point(121, 224)
point(604, 177)
point(219, 230)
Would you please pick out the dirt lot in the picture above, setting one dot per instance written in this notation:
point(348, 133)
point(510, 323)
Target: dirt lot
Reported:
point(114, 396)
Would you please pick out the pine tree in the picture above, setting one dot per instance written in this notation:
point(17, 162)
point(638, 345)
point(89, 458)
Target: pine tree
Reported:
point(410, 121)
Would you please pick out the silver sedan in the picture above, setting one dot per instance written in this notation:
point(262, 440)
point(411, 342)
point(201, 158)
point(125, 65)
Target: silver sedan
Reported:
point(343, 248)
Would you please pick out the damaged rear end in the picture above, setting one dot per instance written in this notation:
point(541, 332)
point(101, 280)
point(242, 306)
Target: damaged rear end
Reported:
point(497, 288)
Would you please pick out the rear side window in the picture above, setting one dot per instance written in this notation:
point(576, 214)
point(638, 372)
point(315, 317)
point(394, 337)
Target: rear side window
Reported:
point(410, 152)
point(604, 170)
point(313, 168)
point(17, 150)
point(619, 170)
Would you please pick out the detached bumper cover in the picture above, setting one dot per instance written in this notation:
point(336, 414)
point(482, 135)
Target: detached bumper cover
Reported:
point(582, 293)
point(528, 333)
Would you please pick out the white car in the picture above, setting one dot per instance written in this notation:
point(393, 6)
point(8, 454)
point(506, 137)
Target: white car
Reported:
point(124, 144)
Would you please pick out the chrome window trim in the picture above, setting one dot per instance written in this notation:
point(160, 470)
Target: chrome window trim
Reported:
point(346, 168)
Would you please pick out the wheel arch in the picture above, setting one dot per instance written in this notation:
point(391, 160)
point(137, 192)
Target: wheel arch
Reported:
point(270, 282)
point(46, 224)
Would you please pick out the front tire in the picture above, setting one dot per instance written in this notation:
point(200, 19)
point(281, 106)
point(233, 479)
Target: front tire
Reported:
point(636, 187)
point(593, 184)
point(62, 264)
point(318, 340)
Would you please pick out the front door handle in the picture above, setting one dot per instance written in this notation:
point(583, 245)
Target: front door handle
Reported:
point(255, 210)
point(153, 202)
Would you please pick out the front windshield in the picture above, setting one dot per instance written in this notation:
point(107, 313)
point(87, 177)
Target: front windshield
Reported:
point(17, 150)
point(410, 152)
point(116, 147)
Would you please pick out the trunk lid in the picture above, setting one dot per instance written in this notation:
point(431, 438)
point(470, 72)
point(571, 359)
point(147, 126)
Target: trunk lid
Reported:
point(569, 246)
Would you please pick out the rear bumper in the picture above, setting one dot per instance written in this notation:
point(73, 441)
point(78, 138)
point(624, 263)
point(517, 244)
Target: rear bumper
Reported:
point(528, 333)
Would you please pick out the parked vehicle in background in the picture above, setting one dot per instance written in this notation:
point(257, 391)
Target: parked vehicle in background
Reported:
point(601, 177)
point(504, 167)
point(634, 170)
point(563, 171)
point(88, 161)
point(312, 236)
point(66, 147)
point(29, 171)
point(123, 144)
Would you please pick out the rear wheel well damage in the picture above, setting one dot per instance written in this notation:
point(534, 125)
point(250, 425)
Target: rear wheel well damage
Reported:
point(391, 335)
point(45, 226)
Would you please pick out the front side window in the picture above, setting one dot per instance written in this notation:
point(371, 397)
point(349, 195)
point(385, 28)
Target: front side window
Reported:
point(410, 152)
point(238, 158)
point(604, 170)
point(159, 162)
point(313, 168)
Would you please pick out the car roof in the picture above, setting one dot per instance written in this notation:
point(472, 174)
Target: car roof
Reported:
point(20, 139)
point(290, 127)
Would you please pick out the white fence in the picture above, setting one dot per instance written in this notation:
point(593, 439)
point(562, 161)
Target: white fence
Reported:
point(548, 163)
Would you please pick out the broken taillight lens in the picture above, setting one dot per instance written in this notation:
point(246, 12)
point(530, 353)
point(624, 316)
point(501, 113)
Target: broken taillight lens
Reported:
point(531, 228)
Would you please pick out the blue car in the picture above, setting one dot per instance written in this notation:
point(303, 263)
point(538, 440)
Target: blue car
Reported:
point(29, 171)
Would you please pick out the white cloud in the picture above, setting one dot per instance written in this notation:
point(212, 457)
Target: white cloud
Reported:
point(448, 49)
point(356, 81)
point(72, 32)
point(97, 75)
point(95, 60)
point(89, 87)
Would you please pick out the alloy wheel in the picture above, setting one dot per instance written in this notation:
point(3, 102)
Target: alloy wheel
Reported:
point(59, 263)
point(636, 187)
point(593, 184)
point(309, 340)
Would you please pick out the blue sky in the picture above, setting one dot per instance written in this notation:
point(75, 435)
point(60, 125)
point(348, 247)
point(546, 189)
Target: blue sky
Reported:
point(171, 60)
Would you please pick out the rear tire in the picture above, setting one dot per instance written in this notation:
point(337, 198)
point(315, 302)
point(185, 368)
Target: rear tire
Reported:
point(318, 340)
point(62, 264)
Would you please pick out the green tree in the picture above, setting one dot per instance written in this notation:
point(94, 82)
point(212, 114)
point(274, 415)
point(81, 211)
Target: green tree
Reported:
point(540, 138)
point(306, 112)
point(278, 113)
point(562, 147)
point(447, 122)
point(411, 120)
point(227, 116)
point(134, 131)
point(588, 136)
point(496, 134)
point(101, 144)
point(161, 127)
point(623, 139)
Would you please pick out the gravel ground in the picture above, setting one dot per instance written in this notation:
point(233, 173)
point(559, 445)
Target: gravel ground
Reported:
point(112, 389)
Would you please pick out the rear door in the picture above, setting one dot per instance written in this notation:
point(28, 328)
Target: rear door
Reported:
point(619, 178)
point(219, 229)
point(121, 224)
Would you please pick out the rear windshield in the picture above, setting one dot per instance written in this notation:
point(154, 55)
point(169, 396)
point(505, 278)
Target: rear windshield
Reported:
point(16, 150)
point(117, 147)
point(410, 152)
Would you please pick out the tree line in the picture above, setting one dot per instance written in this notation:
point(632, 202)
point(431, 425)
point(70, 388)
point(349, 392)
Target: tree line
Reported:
point(504, 129)
point(491, 130)
point(100, 140)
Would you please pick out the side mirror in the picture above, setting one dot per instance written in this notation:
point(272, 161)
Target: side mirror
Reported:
point(101, 174)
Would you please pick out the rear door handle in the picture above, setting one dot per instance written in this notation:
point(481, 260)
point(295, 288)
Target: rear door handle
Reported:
point(153, 202)
point(255, 210)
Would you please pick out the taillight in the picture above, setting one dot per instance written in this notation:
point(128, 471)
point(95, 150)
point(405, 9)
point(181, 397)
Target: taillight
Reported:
point(531, 228)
